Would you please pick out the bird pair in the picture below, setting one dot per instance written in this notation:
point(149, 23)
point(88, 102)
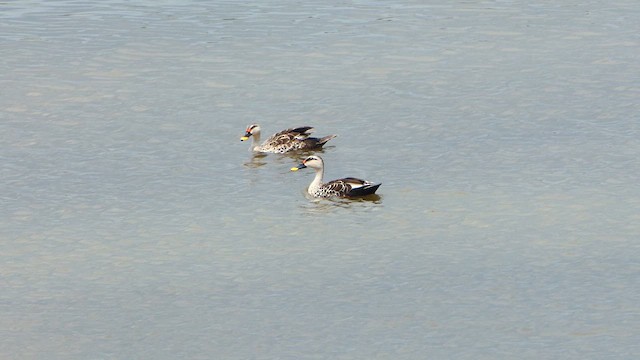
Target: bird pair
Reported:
point(298, 139)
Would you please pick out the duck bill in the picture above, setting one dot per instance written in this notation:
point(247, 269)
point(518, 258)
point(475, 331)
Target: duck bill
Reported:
point(296, 168)
point(245, 137)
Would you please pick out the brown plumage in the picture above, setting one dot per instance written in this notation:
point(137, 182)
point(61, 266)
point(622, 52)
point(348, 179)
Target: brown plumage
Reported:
point(285, 140)
point(345, 187)
point(350, 187)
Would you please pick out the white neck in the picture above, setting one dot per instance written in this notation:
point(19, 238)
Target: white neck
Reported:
point(317, 181)
point(255, 140)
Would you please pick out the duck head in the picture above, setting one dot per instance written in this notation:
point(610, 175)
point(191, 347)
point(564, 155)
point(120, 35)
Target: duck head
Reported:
point(314, 162)
point(253, 129)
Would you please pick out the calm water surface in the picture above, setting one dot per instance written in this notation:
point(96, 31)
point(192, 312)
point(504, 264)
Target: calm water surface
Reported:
point(135, 225)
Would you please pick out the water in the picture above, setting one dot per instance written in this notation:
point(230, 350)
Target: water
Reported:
point(136, 225)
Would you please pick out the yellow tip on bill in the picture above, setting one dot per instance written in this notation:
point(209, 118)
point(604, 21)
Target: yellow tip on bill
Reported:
point(244, 138)
point(294, 169)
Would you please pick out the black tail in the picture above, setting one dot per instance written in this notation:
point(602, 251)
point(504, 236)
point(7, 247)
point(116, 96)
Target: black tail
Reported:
point(318, 142)
point(323, 140)
point(364, 190)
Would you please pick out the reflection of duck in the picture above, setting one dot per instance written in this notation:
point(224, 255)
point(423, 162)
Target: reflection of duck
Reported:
point(345, 187)
point(285, 140)
point(257, 160)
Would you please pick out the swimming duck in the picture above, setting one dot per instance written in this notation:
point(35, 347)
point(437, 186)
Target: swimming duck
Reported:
point(286, 140)
point(346, 187)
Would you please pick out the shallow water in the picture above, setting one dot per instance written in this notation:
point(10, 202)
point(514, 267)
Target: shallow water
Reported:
point(135, 224)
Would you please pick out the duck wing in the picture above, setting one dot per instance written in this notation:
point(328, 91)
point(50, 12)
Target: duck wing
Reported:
point(364, 190)
point(300, 133)
point(288, 139)
point(350, 187)
point(314, 143)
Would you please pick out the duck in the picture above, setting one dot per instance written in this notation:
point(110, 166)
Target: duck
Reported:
point(345, 187)
point(285, 140)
